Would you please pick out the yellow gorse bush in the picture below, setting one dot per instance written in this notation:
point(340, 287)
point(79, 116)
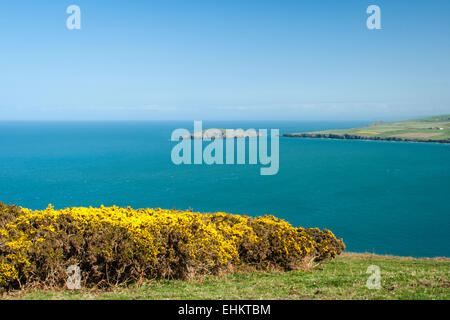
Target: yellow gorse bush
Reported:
point(112, 245)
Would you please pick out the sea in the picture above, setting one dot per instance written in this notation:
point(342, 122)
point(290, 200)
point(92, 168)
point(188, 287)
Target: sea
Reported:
point(380, 197)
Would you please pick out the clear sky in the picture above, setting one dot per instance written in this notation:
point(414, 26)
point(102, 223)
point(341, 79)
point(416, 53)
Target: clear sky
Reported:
point(224, 59)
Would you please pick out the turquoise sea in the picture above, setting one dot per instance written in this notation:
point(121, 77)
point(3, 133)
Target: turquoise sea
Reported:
point(382, 197)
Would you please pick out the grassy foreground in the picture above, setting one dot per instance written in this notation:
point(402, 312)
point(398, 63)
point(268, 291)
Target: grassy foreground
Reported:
point(433, 129)
point(343, 278)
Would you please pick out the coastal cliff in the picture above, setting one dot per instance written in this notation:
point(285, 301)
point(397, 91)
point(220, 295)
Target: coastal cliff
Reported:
point(358, 137)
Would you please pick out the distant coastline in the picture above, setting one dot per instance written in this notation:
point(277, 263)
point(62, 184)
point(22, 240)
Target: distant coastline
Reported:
point(433, 129)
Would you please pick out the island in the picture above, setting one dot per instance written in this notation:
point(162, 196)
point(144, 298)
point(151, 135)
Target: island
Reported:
point(432, 129)
point(217, 133)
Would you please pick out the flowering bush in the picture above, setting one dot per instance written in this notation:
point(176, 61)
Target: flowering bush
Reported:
point(113, 245)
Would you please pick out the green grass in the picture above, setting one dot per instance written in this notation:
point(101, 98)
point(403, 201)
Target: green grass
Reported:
point(342, 278)
point(392, 129)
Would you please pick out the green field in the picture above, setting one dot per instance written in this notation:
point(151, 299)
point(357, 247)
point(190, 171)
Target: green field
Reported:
point(427, 129)
point(343, 278)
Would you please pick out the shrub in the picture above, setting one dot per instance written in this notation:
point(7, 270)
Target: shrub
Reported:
point(326, 244)
point(116, 245)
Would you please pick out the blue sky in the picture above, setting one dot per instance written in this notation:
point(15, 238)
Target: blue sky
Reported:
point(205, 60)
